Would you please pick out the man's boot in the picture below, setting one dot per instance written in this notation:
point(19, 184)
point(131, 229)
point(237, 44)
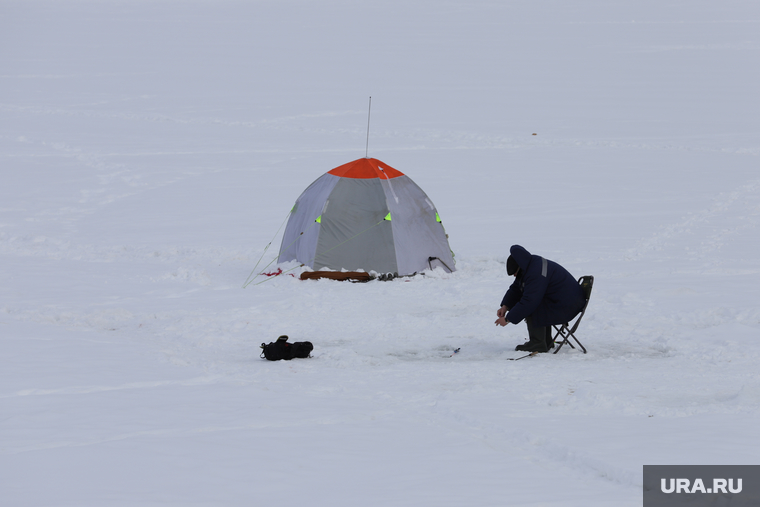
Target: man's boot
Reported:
point(549, 339)
point(537, 336)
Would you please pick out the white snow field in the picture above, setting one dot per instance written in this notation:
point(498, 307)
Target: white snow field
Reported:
point(150, 150)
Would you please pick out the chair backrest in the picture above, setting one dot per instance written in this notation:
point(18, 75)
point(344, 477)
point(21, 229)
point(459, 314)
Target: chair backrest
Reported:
point(587, 283)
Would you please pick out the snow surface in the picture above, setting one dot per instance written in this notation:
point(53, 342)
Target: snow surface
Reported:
point(150, 151)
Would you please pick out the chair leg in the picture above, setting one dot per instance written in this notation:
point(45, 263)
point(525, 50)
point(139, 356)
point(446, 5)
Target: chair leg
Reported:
point(566, 333)
point(561, 332)
point(579, 343)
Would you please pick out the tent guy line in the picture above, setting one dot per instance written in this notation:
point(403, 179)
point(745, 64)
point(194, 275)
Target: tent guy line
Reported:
point(249, 280)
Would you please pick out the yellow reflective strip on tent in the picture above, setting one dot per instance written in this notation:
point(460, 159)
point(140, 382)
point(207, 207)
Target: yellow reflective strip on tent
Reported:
point(319, 219)
point(388, 217)
point(437, 218)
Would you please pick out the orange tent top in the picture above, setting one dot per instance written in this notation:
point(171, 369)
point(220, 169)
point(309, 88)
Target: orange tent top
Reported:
point(366, 168)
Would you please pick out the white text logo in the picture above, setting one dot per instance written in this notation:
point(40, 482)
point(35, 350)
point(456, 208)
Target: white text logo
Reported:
point(685, 486)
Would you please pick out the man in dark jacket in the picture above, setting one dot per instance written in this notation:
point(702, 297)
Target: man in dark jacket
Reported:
point(543, 293)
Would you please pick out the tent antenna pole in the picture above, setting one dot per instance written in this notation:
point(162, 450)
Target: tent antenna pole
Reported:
point(369, 112)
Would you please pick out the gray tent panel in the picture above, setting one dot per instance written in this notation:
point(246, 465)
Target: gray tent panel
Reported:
point(416, 232)
point(307, 209)
point(354, 233)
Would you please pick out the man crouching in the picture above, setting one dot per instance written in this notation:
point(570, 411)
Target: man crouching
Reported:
point(543, 293)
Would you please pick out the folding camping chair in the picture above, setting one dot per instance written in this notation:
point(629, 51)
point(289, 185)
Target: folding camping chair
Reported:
point(567, 332)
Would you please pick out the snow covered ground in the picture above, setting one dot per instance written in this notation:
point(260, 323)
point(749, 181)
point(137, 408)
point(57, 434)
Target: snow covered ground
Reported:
point(149, 151)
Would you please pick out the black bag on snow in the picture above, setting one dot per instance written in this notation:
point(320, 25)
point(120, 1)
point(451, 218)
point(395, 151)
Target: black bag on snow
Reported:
point(281, 349)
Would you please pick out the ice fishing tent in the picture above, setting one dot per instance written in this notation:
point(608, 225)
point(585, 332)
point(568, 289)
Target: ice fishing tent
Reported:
point(366, 215)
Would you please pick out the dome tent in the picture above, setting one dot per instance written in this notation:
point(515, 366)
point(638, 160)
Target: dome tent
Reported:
point(366, 215)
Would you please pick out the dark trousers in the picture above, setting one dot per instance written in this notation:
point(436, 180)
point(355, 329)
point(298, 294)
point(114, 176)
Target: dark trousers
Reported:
point(539, 336)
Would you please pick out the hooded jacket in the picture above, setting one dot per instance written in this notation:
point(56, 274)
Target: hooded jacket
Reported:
point(543, 290)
